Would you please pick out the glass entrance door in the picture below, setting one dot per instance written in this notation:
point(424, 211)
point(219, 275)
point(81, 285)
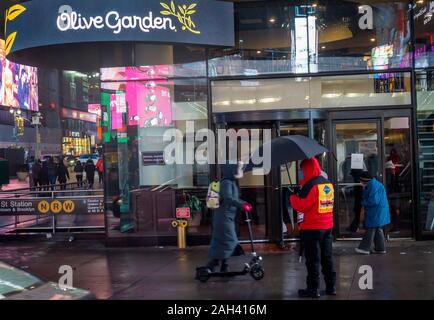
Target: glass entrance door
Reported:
point(381, 147)
point(255, 189)
point(358, 149)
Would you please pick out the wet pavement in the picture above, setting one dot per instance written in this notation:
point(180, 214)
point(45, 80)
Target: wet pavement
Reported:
point(405, 272)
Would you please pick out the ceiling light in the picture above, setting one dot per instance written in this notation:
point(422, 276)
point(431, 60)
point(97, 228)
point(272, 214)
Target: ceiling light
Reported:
point(372, 39)
point(270, 100)
point(222, 103)
point(250, 101)
point(314, 5)
point(419, 1)
point(323, 47)
point(354, 95)
point(331, 95)
point(259, 52)
point(272, 20)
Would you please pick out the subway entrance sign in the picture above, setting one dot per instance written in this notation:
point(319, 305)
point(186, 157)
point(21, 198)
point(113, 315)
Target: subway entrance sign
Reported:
point(14, 207)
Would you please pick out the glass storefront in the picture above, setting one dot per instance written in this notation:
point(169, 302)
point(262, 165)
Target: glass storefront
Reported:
point(325, 36)
point(295, 69)
point(142, 117)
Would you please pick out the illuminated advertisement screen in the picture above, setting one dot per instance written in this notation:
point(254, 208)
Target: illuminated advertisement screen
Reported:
point(381, 56)
point(18, 84)
point(94, 108)
point(117, 108)
point(147, 100)
point(136, 73)
point(149, 103)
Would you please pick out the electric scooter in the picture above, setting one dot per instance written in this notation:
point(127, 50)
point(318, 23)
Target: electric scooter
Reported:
point(254, 268)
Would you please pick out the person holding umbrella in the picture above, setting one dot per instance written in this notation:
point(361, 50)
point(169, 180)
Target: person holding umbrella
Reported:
point(314, 204)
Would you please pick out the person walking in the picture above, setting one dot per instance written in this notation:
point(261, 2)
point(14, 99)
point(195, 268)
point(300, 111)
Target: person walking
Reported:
point(376, 215)
point(224, 240)
point(43, 176)
point(36, 173)
point(52, 173)
point(78, 170)
point(314, 204)
point(100, 168)
point(89, 168)
point(62, 175)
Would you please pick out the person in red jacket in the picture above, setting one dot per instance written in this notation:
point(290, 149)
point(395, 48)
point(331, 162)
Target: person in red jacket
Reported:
point(314, 204)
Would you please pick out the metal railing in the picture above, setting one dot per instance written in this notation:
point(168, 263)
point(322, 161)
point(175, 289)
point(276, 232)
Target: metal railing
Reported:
point(48, 193)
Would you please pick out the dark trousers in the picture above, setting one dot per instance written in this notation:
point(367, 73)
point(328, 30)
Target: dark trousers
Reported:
point(79, 178)
point(62, 184)
point(52, 182)
point(100, 176)
point(373, 236)
point(357, 209)
point(35, 184)
point(91, 182)
point(318, 251)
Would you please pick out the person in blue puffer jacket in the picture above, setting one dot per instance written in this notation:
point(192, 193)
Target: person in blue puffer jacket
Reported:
point(377, 215)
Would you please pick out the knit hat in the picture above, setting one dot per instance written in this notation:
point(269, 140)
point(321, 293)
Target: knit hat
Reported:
point(365, 177)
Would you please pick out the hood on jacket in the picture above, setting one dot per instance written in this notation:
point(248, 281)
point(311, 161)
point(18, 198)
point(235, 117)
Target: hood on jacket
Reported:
point(229, 171)
point(311, 169)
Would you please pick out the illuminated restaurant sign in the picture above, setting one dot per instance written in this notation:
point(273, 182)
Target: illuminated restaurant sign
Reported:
point(40, 23)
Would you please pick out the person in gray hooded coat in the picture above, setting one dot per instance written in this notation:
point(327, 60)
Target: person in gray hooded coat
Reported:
point(224, 240)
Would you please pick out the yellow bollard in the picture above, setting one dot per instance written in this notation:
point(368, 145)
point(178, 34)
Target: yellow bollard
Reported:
point(182, 235)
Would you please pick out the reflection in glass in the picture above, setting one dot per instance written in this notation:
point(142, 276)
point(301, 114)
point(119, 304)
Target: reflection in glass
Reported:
point(136, 116)
point(424, 34)
point(398, 178)
point(425, 122)
point(356, 151)
point(302, 37)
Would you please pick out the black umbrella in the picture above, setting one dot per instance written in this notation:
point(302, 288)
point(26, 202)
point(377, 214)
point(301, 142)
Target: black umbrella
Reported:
point(287, 149)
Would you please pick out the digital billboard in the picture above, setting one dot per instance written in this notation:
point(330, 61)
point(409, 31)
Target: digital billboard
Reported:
point(147, 100)
point(18, 84)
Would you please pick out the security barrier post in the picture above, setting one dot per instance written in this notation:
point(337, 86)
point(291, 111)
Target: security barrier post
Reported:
point(181, 224)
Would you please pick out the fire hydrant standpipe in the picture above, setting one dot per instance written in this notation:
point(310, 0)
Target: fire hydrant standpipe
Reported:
point(182, 234)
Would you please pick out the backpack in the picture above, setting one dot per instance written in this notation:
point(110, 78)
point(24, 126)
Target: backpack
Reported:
point(213, 195)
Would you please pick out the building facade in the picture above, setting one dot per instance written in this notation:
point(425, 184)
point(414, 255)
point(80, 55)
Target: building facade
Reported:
point(357, 76)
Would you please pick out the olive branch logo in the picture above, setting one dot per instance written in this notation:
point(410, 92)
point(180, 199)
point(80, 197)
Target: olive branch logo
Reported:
point(183, 14)
point(11, 14)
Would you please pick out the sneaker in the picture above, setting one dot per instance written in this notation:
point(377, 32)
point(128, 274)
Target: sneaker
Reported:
point(379, 252)
point(309, 293)
point(361, 251)
point(331, 291)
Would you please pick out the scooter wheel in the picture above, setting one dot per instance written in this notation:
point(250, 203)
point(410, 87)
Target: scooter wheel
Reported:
point(202, 274)
point(257, 272)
